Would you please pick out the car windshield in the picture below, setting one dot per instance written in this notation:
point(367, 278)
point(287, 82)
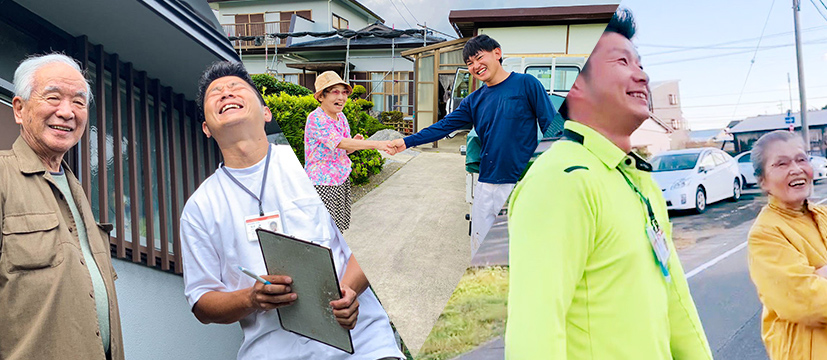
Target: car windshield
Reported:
point(674, 162)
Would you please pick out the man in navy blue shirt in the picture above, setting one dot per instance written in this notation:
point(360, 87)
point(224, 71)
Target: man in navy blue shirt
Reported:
point(506, 112)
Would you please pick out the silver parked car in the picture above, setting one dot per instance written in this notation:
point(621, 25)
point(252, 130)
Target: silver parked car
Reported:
point(693, 178)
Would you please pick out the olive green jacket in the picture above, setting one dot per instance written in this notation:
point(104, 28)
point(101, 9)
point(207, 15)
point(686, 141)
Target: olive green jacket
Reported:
point(47, 304)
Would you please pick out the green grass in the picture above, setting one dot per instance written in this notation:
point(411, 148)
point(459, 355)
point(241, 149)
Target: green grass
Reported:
point(475, 314)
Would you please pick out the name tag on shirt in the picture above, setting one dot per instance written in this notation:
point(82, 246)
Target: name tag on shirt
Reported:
point(270, 221)
point(658, 240)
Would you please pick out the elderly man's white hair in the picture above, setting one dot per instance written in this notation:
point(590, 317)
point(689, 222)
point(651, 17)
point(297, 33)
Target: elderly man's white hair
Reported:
point(24, 75)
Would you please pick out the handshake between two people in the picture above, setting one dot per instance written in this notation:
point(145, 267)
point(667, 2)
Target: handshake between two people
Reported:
point(391, 147)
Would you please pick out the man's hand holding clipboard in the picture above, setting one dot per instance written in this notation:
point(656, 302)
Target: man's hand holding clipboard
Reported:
point(307, 294)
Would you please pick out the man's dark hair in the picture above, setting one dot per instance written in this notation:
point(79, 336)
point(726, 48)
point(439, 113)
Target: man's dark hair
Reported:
point(479, 43)
point(220, 69)
point(623, 23)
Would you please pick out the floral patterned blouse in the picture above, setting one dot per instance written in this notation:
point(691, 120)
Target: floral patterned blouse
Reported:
point(324, 163)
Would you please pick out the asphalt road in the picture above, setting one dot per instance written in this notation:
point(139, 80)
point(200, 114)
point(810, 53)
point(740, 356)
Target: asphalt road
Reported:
point(712, 249)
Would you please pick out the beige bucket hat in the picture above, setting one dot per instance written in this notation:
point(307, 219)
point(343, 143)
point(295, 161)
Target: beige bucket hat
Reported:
point(328, 79)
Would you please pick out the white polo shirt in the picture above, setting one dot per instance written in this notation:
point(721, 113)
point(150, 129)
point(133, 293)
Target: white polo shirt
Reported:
point(214, 242)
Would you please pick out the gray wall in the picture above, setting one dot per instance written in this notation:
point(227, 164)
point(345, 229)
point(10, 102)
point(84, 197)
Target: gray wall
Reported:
point(158, 324)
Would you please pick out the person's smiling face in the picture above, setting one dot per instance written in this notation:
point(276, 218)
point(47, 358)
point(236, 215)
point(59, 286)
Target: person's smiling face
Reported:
point(485, 65)
point(333, 99)
point(231, 101)
point(54, 117)
point(614, 86)
point(787, 175)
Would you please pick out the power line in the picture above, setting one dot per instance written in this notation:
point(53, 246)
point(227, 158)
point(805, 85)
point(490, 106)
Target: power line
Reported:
point(400, 14)
point(754, 55)
point(716, 45)
point(746, 92)
point(705, 57)
point(818, 10)
point(409, 11)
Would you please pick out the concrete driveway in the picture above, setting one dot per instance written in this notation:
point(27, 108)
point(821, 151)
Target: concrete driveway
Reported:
point(411, 239)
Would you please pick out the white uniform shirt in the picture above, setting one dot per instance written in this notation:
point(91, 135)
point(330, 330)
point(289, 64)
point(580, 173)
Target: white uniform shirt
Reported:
point(214, 242)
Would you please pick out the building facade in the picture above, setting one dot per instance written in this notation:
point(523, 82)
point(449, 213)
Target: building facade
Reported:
point(142, 153)
point(747, 132)
point(373, 62)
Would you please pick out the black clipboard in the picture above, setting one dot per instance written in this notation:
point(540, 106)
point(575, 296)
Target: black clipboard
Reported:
point(315, 283)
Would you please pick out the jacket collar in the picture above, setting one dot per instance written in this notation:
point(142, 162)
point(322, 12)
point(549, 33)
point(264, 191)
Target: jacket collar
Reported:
point(27, 159)
point(780, 207)
point(602, 148)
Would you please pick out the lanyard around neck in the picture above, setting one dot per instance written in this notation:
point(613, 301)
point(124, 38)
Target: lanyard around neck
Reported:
point(643, 199)
point(263, 181)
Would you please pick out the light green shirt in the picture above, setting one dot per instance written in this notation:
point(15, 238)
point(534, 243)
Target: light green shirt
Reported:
point(101, 298)
point(584, 283)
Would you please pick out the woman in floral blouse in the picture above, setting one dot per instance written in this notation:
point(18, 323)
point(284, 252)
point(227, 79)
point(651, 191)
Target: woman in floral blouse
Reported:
point(327, 143)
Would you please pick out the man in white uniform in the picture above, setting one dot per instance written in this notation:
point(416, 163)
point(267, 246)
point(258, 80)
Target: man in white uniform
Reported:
point(259, 180)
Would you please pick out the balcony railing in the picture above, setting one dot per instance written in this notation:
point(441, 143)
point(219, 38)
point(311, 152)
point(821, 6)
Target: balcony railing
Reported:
point(256, 29)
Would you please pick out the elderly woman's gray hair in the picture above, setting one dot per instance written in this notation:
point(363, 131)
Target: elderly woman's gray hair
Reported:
point(759, 149)
point(24, 75)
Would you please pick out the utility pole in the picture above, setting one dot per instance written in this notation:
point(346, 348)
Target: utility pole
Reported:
point(802, 93)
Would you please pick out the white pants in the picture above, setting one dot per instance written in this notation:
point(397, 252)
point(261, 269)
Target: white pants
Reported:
point(488, 200)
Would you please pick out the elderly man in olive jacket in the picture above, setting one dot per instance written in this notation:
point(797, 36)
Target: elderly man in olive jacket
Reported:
point(57, 290)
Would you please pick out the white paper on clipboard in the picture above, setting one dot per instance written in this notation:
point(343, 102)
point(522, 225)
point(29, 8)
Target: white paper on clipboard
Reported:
point(315, 283)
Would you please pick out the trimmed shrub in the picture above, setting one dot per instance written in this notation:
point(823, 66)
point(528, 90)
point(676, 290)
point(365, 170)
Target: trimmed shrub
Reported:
point(365, 105)
point(291, 114)
point(269, 85)
point(358, 92)
point(391, 117)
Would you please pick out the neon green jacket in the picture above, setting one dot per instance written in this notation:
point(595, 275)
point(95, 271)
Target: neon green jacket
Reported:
point(584, 283)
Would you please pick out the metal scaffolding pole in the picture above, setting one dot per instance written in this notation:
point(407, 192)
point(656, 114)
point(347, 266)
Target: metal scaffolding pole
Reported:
point(347, 60)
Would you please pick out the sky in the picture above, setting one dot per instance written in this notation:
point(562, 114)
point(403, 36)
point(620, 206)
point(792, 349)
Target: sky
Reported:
point(709, 46)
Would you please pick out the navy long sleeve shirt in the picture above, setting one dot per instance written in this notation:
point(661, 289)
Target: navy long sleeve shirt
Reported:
point(505, 117)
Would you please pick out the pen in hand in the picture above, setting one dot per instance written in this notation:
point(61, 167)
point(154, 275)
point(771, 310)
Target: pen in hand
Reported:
point(254, 276)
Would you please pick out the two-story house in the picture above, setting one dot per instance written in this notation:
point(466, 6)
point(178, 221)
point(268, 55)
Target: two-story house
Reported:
point(373, 62)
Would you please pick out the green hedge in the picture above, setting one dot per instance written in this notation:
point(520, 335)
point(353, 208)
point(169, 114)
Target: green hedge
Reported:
point(291, 114)
point(269, 85)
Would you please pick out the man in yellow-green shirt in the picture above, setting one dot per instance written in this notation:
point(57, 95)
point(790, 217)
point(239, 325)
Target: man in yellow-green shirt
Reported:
point(593, 271)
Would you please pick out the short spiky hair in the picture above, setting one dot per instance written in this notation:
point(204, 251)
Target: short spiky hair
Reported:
point(479, 43)
point(623, 23)
point(220, 69)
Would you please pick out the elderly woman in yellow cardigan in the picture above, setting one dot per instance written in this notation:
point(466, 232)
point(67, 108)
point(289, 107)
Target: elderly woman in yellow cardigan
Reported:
point(787, 252)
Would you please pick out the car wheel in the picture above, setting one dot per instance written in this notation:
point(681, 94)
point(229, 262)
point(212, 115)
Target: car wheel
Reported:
point(736, 190)
point(700, 201)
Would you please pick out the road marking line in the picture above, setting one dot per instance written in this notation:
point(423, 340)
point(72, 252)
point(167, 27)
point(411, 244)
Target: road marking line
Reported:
point(821, 201)
point(716, 260)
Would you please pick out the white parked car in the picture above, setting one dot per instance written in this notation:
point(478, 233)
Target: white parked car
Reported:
point(693, 178)
point(819, 164)
point(744, 160)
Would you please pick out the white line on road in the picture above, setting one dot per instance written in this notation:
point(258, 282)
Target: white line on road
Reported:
point(714, 261)
point(725, 255)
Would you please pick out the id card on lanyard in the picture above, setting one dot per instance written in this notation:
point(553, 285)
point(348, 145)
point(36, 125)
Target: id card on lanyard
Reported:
point(270, 220)
point(657, 239)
